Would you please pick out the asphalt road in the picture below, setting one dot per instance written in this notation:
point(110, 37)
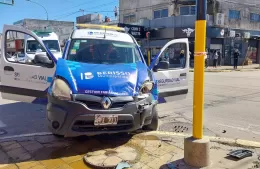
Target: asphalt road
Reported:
point(232, 103)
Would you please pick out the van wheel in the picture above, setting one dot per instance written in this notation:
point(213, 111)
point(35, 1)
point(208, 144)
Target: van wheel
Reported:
point(155, 121)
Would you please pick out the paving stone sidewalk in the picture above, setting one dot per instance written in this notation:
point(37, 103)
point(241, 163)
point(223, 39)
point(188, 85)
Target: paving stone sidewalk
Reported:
point(152, 152)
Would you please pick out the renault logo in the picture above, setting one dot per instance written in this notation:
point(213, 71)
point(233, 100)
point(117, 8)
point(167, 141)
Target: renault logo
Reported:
point(106, 102)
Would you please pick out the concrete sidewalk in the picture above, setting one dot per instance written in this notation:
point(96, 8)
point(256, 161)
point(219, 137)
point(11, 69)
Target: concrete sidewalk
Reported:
point(151, 150)
point(253, 67)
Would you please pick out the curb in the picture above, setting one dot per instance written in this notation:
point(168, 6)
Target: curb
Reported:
point(25, 135)
point(228, 70)
point(221, 140)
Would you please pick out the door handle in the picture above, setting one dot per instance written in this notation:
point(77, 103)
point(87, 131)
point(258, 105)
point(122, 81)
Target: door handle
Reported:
point(183, 74)
point(8, 68)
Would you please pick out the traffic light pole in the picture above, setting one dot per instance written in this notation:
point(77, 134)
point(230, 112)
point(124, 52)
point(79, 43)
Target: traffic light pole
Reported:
point(196, 148)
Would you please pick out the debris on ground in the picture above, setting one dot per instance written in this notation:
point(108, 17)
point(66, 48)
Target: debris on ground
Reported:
point(240, 154)
point(171, 166)
point(123, 165)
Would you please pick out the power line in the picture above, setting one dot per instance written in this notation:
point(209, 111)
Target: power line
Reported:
point(146, 7)
point(86, 10)
point(76, 6)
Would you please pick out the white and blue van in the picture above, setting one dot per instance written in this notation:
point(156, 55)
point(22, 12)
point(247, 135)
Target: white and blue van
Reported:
point(101, 84)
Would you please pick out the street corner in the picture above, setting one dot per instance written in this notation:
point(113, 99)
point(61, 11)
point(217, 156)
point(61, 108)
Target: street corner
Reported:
point(216, 70)
point(151, 150)
point(138, 150)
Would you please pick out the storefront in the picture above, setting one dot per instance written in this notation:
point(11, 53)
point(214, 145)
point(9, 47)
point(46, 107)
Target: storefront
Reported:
point(221, 39)
point(159, 37)
point(247, 43)
point(215, 42)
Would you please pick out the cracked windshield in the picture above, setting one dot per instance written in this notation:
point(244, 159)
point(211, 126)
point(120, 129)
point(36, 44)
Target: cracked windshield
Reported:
point(134, 84)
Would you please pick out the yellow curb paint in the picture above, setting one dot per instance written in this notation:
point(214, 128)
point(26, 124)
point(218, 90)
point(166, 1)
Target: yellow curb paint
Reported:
point(212, 138)
point(247, 142)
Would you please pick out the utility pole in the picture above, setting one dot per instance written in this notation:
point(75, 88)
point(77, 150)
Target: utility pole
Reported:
point(196, 148)
point(82, 10)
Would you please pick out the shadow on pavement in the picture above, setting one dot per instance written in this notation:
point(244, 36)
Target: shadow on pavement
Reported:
point(18, 118)
point(177, 164)
point(50, 151)
point(81, 146)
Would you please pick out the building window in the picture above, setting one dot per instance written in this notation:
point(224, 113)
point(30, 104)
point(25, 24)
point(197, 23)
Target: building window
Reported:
point(254, 17)
point(188, 10)
point(162, 13)
point(233, 14)
point(129, 18)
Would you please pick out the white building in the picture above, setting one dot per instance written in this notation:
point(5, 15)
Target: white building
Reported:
point(62, 28)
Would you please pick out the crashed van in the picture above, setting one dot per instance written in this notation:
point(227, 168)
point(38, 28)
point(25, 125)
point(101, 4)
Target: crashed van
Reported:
point(102, 83)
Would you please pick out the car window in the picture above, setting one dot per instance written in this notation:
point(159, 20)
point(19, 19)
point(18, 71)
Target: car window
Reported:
point(22, 48)
point(33, 46)
point(174, 56)
point(100, 51)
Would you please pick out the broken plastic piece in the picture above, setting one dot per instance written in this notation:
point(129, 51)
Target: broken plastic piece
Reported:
point(123, 165)
point(171, 166)
point(240, 154)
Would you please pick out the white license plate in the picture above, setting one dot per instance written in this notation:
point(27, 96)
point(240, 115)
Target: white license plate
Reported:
point(105, 119)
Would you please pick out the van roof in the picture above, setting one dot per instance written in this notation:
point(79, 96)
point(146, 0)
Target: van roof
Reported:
point(46, 36)
point(99, 34)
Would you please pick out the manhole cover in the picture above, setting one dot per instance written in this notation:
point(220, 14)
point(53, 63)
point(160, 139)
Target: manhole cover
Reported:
point(110, 158)
point(2, 132)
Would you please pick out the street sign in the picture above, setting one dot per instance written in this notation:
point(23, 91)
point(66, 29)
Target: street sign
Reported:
point(135, 30)
point(7, 2)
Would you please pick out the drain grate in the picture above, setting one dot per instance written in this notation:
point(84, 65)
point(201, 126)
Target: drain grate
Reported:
point(2, 132)
point(182, 127)
point(178, 127)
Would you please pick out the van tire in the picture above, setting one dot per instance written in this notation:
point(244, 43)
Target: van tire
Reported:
point(155, 121)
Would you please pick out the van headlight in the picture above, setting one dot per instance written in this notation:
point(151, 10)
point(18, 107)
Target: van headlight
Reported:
point(61, 90)
point(146, 87)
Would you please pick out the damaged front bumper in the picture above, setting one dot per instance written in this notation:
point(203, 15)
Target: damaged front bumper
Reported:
point(76, 117)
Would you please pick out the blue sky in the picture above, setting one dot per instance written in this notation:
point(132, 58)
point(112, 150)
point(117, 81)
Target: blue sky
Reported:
point(63, 10)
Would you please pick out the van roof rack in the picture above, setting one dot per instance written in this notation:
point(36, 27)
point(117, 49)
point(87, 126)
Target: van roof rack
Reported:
point(95, 26)
point(39, 32)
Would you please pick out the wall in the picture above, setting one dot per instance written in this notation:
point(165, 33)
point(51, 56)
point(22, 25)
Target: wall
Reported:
point(0, 42)
point(253, 6)
point(143, 8)
point(62, 28)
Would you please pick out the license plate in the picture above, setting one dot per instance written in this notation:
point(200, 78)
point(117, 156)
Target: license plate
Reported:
point(105, 119)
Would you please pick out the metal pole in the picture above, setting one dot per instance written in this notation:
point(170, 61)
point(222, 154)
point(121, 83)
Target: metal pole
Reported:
point(42, 7)
point(199, 64)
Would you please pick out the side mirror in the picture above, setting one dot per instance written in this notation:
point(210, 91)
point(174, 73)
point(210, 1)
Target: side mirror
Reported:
point(163, 65)
point(42, 59)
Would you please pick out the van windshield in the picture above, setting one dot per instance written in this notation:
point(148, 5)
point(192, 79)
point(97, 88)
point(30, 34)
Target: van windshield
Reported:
point(33, 46)
point(99, 51)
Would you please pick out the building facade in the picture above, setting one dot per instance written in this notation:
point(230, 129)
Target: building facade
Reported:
point(230, 24)
point(62, 28)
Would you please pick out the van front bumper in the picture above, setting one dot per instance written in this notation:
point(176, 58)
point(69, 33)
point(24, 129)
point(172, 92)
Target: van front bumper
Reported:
point(76, 117)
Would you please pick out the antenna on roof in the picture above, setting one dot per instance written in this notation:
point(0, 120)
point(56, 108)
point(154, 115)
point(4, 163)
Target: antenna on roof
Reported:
point(105, 33)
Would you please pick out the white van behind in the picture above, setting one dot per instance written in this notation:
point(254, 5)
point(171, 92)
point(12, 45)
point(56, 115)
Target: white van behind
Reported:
point(51, 41)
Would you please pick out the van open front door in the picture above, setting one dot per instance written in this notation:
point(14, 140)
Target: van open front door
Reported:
point(25, 80)
point(171, 68)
